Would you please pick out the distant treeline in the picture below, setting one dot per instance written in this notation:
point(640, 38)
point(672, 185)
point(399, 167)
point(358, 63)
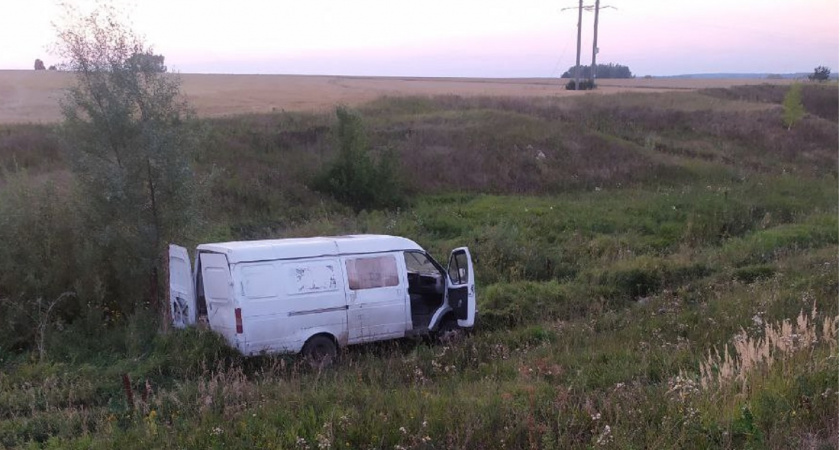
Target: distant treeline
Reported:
point(610, 70)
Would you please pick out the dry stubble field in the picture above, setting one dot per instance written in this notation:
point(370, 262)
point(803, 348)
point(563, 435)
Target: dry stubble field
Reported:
point(30, 96)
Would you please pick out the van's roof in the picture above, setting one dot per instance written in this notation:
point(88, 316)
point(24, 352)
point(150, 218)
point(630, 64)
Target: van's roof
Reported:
point(266, 250)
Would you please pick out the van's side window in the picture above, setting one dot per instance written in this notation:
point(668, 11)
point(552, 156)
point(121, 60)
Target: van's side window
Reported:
point(372, 272)
point(304, 277)
point(458, 268)
point(257, 281)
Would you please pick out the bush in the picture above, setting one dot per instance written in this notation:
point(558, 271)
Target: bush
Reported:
point(792, 104)
point(583, 85)
point(821, 73)
point(40, 235)
point(357, 178)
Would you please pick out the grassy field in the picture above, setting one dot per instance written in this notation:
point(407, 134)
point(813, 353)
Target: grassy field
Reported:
point(30, 96)
point(655, 270)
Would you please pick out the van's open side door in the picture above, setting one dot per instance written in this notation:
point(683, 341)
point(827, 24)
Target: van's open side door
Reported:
point(461, 287)
point(182, 303)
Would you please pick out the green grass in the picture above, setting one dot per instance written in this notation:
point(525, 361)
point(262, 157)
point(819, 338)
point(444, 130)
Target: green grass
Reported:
point(655, 230)
point(548, 355)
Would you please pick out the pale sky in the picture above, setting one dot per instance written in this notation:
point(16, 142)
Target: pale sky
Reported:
point(457, 38)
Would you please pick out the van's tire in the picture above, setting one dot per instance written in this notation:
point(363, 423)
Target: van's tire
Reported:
point(449, 330)
point(320, 350)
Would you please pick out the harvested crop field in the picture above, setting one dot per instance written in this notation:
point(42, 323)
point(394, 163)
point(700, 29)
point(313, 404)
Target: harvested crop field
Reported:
point(30, 96)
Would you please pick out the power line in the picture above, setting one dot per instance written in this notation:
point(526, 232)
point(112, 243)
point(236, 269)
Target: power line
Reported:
point(559, 60)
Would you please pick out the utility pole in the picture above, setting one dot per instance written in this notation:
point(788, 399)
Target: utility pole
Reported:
point(594, 43)
point(577, 61)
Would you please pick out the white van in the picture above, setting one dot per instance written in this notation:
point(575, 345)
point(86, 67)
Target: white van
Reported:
point(314, 295)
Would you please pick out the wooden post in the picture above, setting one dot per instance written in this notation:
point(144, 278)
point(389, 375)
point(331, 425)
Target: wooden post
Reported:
point(595, 43)
point(577, 60)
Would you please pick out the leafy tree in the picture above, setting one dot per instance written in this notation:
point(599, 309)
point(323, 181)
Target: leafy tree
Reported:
point(130, 141)
point(355, 177)
point(610, 70)
point(821, 73)
point(39, 65)
point(792, 104)
point(147, 62)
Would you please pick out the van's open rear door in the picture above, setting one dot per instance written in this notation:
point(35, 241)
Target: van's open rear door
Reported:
point(461, 287)
point(182, 303)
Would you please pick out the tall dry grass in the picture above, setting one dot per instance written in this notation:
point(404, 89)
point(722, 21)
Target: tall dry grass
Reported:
point(781, 342)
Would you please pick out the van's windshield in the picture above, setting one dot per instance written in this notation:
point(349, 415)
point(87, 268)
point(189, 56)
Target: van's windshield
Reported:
point(420, 263)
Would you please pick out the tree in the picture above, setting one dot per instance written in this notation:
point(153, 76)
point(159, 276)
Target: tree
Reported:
point(355, 177)
point(821, 73)
point(792, 104)
point(147, 62)
point(130, 141)
point(39, 65)
point(610, 70)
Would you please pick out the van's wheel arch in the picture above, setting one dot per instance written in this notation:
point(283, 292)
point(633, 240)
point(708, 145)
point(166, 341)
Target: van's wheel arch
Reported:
point(320, 349)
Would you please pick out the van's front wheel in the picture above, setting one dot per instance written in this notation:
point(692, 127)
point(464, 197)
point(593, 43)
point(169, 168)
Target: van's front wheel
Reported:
point(449, 331)
point(320, 350)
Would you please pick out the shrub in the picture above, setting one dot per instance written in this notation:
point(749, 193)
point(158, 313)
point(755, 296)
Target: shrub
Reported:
point(583, 85)
point(40, 236)
point(821, 73)
point(356, 177)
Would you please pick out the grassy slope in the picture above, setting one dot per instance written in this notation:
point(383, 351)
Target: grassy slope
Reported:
point(618, 240)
